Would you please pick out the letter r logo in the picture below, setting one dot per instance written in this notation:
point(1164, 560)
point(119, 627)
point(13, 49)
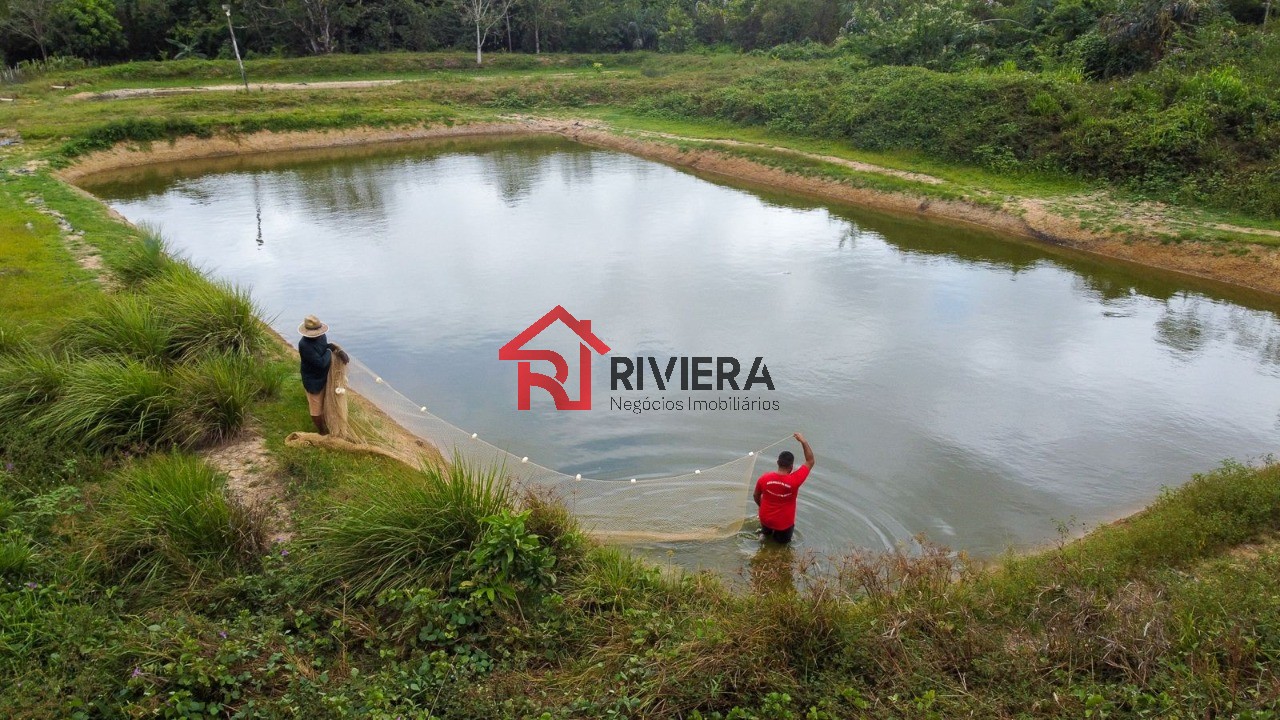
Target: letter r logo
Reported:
point(527, 379)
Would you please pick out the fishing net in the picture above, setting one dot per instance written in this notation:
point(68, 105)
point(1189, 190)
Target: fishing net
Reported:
point(701, 505)
point(334, 410)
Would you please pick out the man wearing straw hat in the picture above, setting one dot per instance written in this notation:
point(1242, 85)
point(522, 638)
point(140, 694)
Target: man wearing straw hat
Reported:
point(316, 353)
point(776, 494)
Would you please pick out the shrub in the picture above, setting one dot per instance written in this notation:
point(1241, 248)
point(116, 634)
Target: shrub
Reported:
point(507, 562)
point(406, 530)
point(168, 520)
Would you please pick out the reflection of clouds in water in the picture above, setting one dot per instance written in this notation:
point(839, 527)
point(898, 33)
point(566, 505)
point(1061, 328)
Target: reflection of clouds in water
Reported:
point(951, 382)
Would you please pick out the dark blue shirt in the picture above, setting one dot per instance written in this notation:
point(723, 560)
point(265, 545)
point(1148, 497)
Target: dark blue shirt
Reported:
point(316, 357)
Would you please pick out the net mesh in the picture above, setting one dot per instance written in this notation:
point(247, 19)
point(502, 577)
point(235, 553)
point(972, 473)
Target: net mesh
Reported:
point(702, 505)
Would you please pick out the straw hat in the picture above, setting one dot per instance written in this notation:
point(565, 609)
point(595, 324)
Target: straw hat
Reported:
point(312, 327)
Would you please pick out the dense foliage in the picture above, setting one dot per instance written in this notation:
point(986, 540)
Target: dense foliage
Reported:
point(1202, 127)
point(1105, 36)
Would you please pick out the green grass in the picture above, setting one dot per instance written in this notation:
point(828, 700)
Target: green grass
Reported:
point(131, 586)
point(144, 260)
point(167, 520)
point(206, 316)
point(39, 285)
point(28, 382)
point(1197, 520)
point(128, 325)
point(963, 176)
point(15, 557)
point(405, 529)
point(110, 403)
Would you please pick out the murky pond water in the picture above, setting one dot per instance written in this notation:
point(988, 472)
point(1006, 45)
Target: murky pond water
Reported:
point(954, 383)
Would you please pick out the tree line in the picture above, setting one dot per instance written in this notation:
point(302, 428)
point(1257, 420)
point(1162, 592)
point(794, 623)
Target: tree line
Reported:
point(1108, 37)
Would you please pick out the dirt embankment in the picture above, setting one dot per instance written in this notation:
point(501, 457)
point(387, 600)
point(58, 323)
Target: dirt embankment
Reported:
point(124, 93)
point(1253, 266)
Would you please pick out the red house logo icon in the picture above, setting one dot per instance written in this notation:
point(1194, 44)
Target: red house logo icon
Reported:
point(528, 379)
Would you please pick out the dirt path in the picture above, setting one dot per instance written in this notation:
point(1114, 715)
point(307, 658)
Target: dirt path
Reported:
point(86, 255)
point(832, 159)
point(125, 93)
point(254, 479)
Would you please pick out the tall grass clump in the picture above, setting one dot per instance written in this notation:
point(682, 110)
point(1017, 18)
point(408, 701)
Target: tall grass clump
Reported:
point(127, 324)
point(13, 339)
point(168, 520)
point(144, 260)
point(216, 393)
point(206, 316)
point(406, 530)
point(15, 556)
point(28, 382)
point(109, 403)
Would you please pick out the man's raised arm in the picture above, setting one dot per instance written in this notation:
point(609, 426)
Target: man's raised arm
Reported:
point(808, 451)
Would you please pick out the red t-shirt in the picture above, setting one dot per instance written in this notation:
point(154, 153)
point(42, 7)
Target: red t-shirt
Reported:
point(778, 497)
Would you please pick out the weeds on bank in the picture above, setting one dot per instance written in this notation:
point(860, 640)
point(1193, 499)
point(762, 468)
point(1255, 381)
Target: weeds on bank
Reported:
point(167, 519)
point(406, 529)
point(171, 362)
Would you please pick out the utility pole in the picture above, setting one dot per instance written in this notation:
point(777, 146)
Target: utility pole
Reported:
point(236, 47)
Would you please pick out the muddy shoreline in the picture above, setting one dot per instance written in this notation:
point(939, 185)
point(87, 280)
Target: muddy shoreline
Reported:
point(1255, 268)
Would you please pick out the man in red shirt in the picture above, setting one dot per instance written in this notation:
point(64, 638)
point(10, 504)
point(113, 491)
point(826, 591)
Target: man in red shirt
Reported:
point(776, 494)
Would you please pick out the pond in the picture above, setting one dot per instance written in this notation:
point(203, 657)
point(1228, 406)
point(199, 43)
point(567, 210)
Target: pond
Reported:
point(954, 383)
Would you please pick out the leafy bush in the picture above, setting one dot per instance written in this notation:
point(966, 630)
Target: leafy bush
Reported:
point(508, 563)
point(168, 520)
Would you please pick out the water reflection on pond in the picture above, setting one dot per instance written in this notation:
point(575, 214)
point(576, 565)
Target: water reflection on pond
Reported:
point(952, 382)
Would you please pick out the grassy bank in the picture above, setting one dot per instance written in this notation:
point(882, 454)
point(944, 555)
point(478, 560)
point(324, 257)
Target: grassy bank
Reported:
point(1197, 130)
point(133, 584)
